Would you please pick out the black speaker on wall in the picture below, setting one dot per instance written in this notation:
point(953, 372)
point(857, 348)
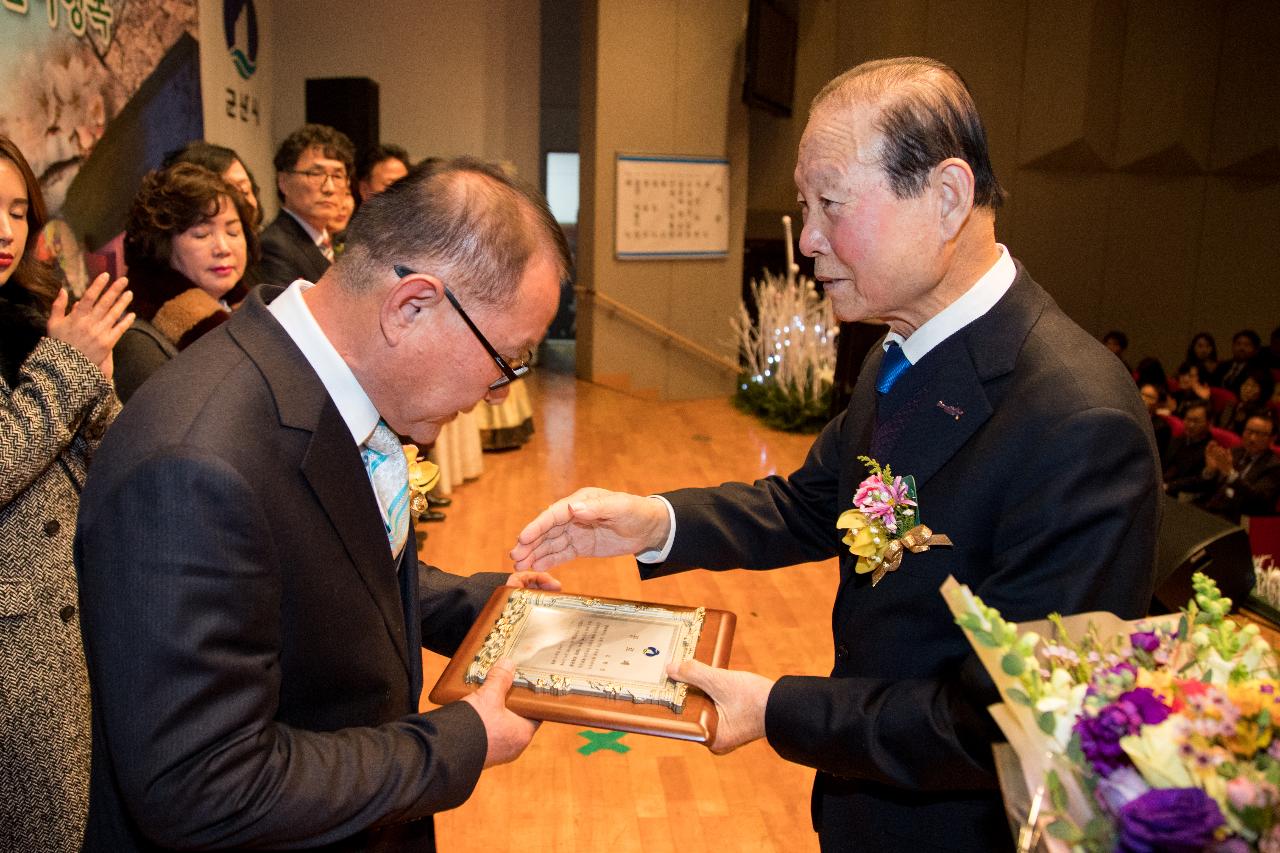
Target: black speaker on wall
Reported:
point(1192, 540)
point(349, 104)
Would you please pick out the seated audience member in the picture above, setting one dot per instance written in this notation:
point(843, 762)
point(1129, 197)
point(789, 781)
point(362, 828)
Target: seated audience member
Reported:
point(225, 162)
point(1151, 372)
point(1185, 459)
point(1255, 397)
point(1191, 388)
point(1117, 341)
point(1152, 396)
point(381, 167)
point(1244, 357)
point(1244, 481)
point(313, 167)
point(1203, 351)
point(55, 404)
point(187, 247)
point(1271, 355)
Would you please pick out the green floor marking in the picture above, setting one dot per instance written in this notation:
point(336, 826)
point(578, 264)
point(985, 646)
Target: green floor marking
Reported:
point(602, 740)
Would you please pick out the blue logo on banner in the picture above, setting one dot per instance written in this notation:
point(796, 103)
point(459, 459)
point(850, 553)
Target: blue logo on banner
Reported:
point(240, 22)
point(650, 651)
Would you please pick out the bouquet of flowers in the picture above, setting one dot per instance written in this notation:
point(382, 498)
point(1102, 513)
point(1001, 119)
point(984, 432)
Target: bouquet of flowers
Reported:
point(1153, 735)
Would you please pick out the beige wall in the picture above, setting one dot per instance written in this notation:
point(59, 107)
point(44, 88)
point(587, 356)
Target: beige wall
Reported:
point(454, 76)
point(659, 77)
point(1140, 141)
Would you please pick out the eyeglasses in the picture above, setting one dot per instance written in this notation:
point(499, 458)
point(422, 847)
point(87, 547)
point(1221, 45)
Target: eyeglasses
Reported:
point(510, 371)
point(315, 178)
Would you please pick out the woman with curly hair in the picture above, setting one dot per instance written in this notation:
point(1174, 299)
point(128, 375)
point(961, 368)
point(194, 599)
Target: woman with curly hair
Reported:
point(187, 246)
point(56, 401)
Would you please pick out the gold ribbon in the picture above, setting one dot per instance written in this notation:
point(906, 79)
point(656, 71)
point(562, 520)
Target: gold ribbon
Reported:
point(916, 540)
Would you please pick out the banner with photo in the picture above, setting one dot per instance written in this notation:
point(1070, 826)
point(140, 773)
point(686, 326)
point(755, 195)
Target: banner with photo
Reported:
point(98, 92)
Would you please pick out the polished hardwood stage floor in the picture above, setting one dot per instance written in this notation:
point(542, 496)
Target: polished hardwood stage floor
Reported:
point(660, 795)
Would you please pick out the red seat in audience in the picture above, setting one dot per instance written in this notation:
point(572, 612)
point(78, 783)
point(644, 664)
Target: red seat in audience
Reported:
point(1225, 437)
point(1264, 535)
point(1174, 385)
point(1218, 399)
point(1175, 425)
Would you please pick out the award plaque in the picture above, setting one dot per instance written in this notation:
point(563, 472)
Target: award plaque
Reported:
point(591, 661)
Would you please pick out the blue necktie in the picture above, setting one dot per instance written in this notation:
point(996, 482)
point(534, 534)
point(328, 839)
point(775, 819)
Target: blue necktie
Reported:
point(388, 469)
point(892, 366)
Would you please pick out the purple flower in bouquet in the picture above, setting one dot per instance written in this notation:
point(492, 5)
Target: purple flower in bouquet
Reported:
point(1100, 735)
point(878, 499)
point(1148, 641)
point(1119, 789)
point(1149, 706)
point(1170, 820)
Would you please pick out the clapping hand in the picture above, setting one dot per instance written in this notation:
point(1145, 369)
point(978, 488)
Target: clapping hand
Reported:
point(95, 322)
point(591, 522)
point(1218, 459)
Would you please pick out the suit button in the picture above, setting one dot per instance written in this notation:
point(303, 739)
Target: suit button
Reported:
point(842, 651)
point(67, 612)
point(51, 527)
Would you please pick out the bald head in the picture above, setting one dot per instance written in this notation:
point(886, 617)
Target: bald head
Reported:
point(924, 116)
point(463, 220)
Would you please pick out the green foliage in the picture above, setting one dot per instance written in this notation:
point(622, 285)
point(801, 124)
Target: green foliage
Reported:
point(784, 408)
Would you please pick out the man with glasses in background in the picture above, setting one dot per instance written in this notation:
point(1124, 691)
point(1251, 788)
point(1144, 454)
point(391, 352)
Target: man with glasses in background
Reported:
point(313, 167)
point(253, 607)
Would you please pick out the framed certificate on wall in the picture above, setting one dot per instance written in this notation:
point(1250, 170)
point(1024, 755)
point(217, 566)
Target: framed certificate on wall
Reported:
point(593, 661)
point(671, 207)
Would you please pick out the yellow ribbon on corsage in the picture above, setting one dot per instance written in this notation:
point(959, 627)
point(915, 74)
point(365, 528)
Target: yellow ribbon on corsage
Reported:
point(884, 505)
point(423, 476)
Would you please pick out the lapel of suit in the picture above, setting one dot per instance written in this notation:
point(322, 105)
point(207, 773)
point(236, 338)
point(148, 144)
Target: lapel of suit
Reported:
point(313, 263)
point(956, 392)
point(332, 463)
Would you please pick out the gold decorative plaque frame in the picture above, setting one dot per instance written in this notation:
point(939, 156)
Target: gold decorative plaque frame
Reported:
point(653, 705)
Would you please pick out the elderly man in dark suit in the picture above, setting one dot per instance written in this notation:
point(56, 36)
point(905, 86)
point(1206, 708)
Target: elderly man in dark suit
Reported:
point(1245, 480)
point(1027, 444)
point(253, 606)
point(314, 165)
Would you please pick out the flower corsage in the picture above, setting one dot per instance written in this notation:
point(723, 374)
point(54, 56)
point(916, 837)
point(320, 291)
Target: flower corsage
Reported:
point(885, 522)
point(423, 476)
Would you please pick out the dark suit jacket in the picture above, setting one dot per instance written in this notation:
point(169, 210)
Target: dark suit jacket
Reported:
point(1253, 493)
point(1047, 481)
point(288, 253)
point(253, 651)
point(1182, 472)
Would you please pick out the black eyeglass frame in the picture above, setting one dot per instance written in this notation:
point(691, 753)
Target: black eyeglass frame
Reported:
point(339, 181)
point(510, 373)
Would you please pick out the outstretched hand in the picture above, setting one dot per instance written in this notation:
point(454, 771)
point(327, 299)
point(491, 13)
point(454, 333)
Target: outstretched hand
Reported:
point(740, 697)
point(507, 732)
point(95, 322)
point(591, 522)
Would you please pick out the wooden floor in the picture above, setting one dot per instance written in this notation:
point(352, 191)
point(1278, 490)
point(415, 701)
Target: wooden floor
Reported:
point(661, 795)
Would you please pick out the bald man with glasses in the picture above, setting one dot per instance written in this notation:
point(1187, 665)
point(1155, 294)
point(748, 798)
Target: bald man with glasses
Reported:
point(253, 607)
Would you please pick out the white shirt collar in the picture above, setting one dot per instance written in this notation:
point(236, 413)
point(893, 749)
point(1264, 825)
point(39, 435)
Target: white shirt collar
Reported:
point(317, 237)
point(290, 309)
point(976, 301)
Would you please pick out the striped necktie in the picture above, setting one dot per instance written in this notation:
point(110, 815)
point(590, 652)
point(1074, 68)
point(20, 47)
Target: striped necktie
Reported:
point(326, 246)
point(388, 470)
point(892, 366)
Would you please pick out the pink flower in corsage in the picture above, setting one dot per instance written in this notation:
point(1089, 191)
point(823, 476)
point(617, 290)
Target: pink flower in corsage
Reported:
point(883, 523)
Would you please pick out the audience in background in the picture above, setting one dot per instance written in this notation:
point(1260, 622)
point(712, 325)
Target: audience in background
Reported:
point(1151, 372)
point(313, 168)
point(55, 404)
point(1153, 397)
point(381, 167)
point(341, 219)
point(1254, 397)
point(1244, 356)
point(225, 162)
point(187, 247)
point(1117, 341)
point(1184, 462)
point(1203, 351)
point(1271, 355)
point(1246, 480)
point(1191, 388)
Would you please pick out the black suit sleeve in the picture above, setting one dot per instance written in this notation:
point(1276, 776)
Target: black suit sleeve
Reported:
point(182, 625)
point(277, 265)
point(1060, 542)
